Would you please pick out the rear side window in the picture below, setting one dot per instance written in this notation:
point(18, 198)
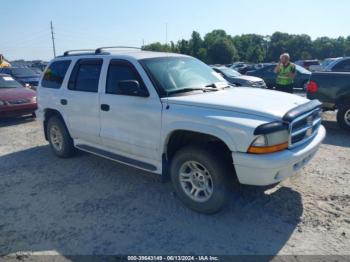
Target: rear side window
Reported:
point(343, 66)
point(85, 75)
point(54, 75)
point(120, 70)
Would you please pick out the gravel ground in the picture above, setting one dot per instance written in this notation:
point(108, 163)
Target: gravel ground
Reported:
point(89, 205)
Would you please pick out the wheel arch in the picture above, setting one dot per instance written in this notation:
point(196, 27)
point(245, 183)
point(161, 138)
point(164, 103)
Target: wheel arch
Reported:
point(178, 138)
point(48, 113)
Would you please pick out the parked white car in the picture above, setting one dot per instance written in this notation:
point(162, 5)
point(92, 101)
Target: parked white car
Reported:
point(172, 114)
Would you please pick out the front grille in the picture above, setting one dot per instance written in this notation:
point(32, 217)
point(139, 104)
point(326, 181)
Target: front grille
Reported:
point(304, 127)
point(19, 101)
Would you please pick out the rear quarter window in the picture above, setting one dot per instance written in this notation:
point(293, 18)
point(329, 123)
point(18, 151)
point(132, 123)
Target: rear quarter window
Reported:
point(54, 74)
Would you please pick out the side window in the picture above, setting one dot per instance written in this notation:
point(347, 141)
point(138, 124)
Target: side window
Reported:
point(85, 75)
point(120, 71)
point(343, 66)
point(54, 74)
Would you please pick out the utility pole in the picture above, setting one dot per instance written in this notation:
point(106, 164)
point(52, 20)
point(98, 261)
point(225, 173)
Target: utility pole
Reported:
point(53, 40)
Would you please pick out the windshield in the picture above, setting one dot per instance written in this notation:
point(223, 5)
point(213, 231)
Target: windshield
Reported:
point(229, 72)
point(8, 82)
point(23, 72)
point(302, 70)
point(173, 74)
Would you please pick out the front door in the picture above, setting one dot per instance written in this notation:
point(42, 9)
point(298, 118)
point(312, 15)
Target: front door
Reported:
point(130, 123)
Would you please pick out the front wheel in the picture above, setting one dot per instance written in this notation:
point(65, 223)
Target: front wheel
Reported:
point(343, 117)
point(200, 179)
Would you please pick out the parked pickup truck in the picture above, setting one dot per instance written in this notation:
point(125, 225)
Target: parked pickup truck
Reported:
point(172, 114)
point(333, 90)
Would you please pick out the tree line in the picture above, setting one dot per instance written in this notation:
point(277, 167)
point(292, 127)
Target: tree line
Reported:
point(218, 47)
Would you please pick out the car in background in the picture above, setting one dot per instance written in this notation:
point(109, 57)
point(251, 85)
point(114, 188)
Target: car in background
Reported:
point(308, 64)
point(333, 90)
point(267, 73)
point(323, 65)
point(26, 76)
point(238, 79)
point(341, 64)
point(15, 100)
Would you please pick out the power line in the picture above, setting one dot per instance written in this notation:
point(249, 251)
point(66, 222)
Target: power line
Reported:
point(53, 40)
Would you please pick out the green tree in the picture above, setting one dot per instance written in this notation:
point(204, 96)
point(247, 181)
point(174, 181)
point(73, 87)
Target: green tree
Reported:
point(195, 44)
point(157, 47)
point(222, 51)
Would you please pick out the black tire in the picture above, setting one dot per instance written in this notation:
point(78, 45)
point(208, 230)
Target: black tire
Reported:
point(343, 117)
point(33, 115)
point(219, 171)
point(66, 148)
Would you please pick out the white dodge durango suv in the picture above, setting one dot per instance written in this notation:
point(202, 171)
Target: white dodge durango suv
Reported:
point(173, 115)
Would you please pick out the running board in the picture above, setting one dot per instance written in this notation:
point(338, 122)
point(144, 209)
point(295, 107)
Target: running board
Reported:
point(117, 158)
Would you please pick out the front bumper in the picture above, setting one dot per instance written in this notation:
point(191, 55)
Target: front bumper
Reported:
point(18, 110)
point(262, 170)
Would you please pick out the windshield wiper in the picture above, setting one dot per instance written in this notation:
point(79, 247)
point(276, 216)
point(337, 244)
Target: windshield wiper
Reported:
point(214, 87)
point(183, 90)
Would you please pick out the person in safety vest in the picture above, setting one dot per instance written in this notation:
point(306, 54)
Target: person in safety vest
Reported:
point(3, 62)
point(285, 71)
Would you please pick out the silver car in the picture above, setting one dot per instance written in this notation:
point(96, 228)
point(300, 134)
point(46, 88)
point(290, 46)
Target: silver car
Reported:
point(238, 79)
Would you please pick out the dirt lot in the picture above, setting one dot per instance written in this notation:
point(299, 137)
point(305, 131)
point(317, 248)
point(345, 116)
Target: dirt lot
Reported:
point(89, 205)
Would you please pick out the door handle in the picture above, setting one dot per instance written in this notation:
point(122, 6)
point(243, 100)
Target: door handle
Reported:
point(104, 107)
point(64, 102)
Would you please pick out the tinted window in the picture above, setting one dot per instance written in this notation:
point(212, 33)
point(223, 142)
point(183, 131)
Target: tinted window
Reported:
point(310, 63)
point(8, 82)
point(54, 75)
point(343, 66)
point(121, 71)
point(85, 75)
point(22, 72)
point(6, 71)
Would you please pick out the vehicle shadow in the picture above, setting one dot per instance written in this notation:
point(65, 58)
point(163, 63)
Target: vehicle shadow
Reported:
point(15, 121)
point(87, 205)
point(336, 136)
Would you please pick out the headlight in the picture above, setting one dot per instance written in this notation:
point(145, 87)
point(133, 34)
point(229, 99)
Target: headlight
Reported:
point(271, 137)
point(34, 99)
point(2, 103)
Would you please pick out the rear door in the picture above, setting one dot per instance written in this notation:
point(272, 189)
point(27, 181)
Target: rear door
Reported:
point(81, 101)
point(130, 123)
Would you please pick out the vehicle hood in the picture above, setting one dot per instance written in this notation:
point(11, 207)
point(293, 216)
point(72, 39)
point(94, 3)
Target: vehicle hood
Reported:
point(260, 102)
point(16, 93)
point(249, 78)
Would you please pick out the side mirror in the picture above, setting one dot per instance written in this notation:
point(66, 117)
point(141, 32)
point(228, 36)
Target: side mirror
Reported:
point(131, 88)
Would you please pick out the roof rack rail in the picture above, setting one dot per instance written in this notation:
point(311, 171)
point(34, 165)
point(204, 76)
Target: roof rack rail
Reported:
point(100, 49)
point(78, 51)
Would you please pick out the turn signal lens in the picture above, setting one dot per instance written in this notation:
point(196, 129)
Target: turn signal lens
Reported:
point(267, 149)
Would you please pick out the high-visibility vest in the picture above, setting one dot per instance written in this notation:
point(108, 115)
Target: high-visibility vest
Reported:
point(282, 75)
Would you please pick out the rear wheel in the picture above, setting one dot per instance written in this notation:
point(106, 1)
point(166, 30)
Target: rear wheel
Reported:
point(200, 179)
point(60, 141)
point(343, 117)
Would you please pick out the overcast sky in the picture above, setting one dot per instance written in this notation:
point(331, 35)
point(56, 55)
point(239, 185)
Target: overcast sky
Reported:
point(25, 27)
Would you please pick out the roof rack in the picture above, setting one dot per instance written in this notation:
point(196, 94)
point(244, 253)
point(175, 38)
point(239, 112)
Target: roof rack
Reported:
point(78, 51)
point(100, 49)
